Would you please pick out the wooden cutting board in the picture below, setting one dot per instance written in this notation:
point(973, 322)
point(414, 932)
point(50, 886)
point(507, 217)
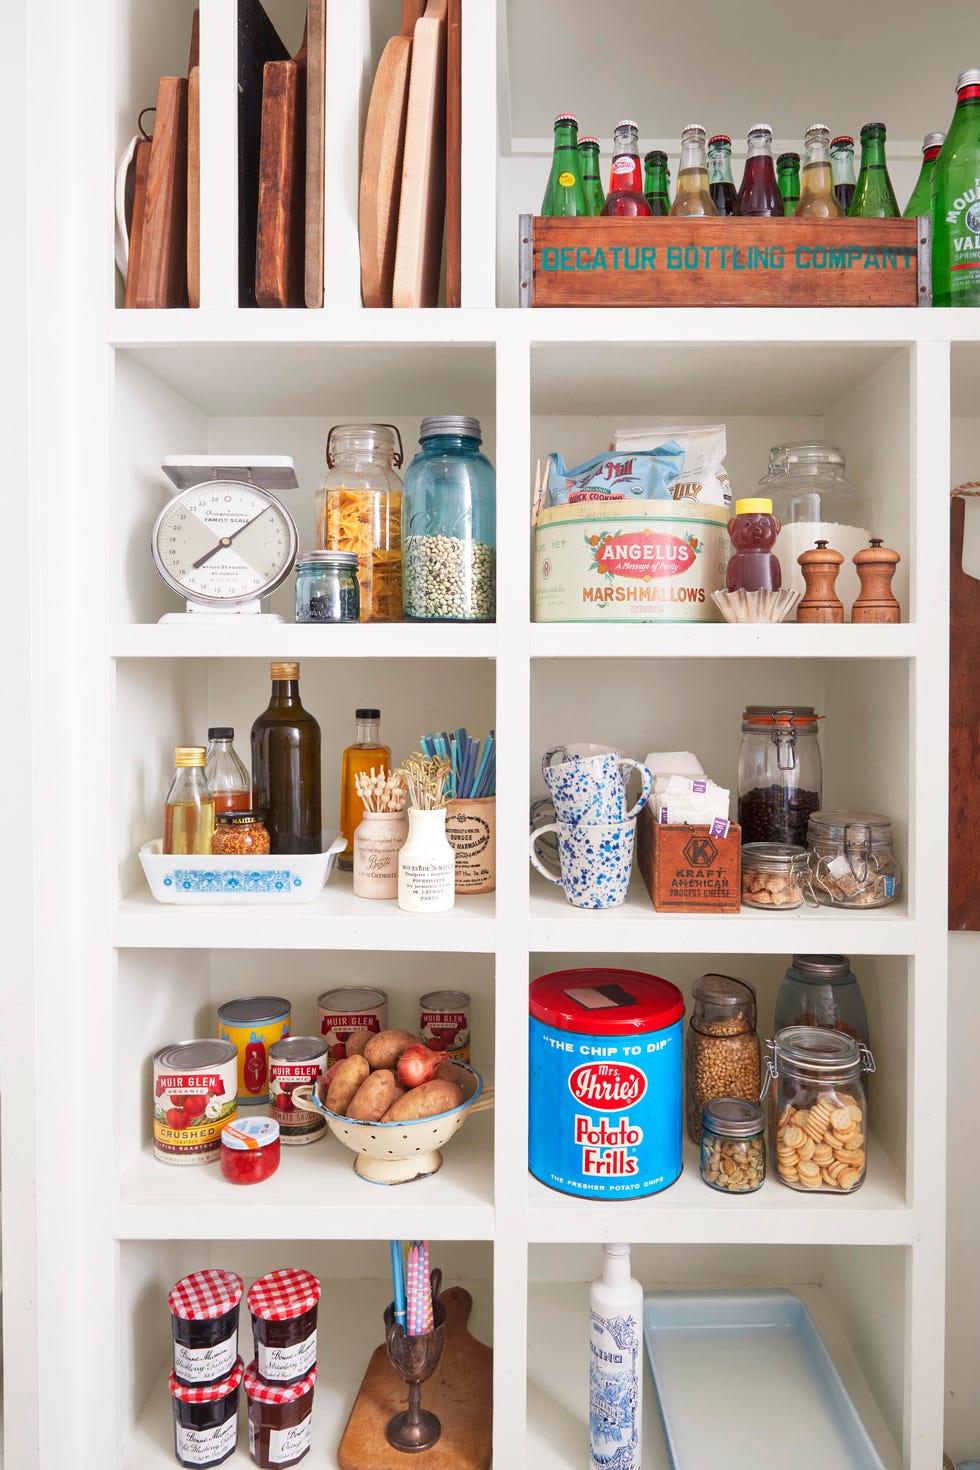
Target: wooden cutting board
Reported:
point(258, 43)
point(964, 730)
point(281, 227)
point(162, 279)
point(459, 1393)
point(381, 162)
point(316, 29)
point(141, 169)
point(194, 165)
point(454, 145)
point(422, 206)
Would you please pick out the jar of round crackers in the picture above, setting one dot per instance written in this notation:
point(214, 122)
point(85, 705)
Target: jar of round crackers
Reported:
point(359, 509)
point(733, 1145)
point(771, 875)
point(818, 1109)
point(722, 1051)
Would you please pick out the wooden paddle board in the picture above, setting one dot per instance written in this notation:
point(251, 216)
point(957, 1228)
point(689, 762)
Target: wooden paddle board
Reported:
point(141, 169)
point(964, 726)
point(454, 148)
point(194, 165)
point(258, 43)
point(162, 277)
point(422, 206)
point(281, 227)
point(459, 1393)
point(316, 30)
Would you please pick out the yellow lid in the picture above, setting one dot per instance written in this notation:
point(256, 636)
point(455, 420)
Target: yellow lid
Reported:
point(190, 755)
point(284, 671)
point(756, 506)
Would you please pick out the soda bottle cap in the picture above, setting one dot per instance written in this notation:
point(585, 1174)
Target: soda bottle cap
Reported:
point(719, 138)
point(656, 155)
point(933, 140)
point(693, 128)
point(842, 141)
point(788, 158)
point(628, 122)
point(760, 128)
point(588, 142)
point(756, 505)
point(970, 78)
point(566, 117)
point(871, 129)
point(818, 128)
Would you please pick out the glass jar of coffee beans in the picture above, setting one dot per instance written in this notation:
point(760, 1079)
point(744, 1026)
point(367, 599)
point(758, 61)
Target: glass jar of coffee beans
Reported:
point(780, 780)
point(722, 1052)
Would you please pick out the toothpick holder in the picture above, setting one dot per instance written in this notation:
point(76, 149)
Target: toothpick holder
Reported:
point(415, 1359)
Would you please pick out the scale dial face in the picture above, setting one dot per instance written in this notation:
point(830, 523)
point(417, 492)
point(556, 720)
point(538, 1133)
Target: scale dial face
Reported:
point(224, 542)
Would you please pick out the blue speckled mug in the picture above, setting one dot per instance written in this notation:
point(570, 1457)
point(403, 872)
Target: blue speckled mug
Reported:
point(588, 784)
point(596, 861)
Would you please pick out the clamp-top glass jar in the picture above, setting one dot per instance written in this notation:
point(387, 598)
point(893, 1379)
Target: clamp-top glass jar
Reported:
point(450, 517)
point(780, 775)
point(852, 864)
point(818, 1109)
point(359, 509)
point(814, 500)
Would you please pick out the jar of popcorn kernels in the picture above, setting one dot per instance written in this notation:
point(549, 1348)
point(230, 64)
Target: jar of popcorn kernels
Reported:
point(733, 1145)
point(771, 875)
point(818, 1109)
point(721, 1057)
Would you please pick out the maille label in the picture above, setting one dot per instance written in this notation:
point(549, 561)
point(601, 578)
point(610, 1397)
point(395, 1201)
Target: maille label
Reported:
point(607, 1086)
point(645, 554)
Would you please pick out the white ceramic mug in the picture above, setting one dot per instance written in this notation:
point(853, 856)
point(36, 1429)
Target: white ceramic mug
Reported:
point(596, 861)
point(592, 787)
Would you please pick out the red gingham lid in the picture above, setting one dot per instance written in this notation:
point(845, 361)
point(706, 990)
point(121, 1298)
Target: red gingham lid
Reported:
point(206, 1294)
point(283, 1294)
point(207, 1393)
point(276, 1393)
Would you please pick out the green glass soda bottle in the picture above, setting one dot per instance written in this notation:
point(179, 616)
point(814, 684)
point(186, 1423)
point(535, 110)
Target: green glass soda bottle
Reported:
point(788, 178)
point(956, 202)
point(588, 155)
point(921, 198)
point(874, 197)
point(565, 194)
point(655, 181)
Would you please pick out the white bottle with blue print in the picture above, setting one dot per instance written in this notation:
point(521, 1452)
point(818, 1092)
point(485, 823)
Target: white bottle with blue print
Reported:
point(615, 1365)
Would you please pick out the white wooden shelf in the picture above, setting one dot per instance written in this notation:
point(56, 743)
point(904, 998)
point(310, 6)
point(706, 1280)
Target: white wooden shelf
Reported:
point(241, 638)
point(721, 640)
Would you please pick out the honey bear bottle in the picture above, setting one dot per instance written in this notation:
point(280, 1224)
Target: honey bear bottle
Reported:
point(753, 566)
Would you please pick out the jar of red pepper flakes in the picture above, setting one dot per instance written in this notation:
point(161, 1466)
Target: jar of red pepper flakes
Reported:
point(280, 1419)
point(284, 1311)
point(204, 1319)
point(206, 1419)
point(250, 1150)
point(240, 834)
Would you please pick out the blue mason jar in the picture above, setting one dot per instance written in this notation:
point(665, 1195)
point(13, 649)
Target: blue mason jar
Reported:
point(449, 519)
point(326, 587)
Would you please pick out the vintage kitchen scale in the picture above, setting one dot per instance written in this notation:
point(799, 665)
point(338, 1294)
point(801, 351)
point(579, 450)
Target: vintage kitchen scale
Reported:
point(224, 542)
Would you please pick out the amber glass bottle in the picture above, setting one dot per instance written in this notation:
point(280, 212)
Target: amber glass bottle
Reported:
point(286, 766)
point(367, 751)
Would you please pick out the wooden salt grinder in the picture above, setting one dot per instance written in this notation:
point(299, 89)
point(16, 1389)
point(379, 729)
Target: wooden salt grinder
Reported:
point(820, 603)
point(876, 567)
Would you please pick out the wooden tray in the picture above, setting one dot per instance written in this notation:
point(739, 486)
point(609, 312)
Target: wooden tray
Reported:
point(460, 1393)
point(724, 262)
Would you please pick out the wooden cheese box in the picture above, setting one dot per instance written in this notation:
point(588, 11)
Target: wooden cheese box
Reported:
point(686, 870)
point(724, 262)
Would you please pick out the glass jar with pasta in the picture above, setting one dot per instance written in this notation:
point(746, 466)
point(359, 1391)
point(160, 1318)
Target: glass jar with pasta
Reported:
point(359, 509)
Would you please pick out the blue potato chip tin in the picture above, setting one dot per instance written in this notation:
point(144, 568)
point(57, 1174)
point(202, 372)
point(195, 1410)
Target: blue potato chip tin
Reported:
point(605, 1116)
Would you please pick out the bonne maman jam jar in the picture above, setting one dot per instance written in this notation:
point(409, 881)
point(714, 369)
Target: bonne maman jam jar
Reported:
point(605, 1083)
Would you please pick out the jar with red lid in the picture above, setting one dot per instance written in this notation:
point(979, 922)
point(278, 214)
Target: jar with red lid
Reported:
point(280, 1418)
point(250, 1150)
point(240, 834)
point(284, 1310)
point(206, 1419)
point(204, 1317)
point(780, 776)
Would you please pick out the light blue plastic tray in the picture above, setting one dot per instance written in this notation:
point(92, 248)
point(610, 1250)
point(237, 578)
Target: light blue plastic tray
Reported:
point(743, 1379)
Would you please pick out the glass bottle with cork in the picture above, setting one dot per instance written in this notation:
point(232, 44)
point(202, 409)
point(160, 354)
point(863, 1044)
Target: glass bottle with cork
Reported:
point(625, 199)
point(286, 766)
point(788, 179)
point(759, 192)
point(366, 751)
point(225, 773)
point(588, 152)
point(565, 193)
point(721, 185)
point(655, 188)
point(920, 201)
point(817, 198)
point(874, 197)
point(188, 816)
point(842, 170)
point(955, 208)
point(693, 198)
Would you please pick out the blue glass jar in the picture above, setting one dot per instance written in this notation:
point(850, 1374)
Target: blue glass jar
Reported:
point(326, 587)
point(449, 520)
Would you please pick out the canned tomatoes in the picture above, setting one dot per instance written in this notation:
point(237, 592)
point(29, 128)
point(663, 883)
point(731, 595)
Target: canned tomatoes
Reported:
point(195, 1093)
point(253, 1024)
point(444, 1022)
point(350, 1009)
point(292, 1063)
point(605, 1084)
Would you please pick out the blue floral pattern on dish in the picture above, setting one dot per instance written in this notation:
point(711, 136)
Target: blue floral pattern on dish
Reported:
point(232, 880)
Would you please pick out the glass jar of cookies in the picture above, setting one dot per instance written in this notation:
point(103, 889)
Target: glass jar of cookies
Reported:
point(733, 1145)
point(818, 1109)
point(722, 1050)
point(771, 875)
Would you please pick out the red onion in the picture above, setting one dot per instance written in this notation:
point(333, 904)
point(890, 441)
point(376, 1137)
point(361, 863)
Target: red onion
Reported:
point(417, 1064)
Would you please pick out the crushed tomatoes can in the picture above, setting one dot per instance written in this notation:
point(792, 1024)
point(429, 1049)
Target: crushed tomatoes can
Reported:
point(605, 1084)
point(352, 1008)
point(195, 1093)
point(253, 1024)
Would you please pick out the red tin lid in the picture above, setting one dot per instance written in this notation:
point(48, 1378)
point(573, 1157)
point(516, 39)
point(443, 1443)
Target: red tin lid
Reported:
point(276, 1393)
point(606, 1002)
point(207, 1393)
point(283, 1295)
point(204, 1295)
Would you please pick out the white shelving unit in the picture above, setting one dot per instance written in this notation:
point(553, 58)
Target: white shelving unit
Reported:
point(116, 976)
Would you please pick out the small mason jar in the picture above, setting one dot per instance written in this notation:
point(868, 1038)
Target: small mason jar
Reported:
point(771, 875)
point(449, 525)
point(852, 864)
point(818, 1109)
point(733, 1145)
point(326, 587)
point(359, 509)
point(780, 778)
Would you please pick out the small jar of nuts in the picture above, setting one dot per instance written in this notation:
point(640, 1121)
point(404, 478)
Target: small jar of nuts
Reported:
point(818, 1109)
point(733, 1145)
point(771, 875)
point(722, 1052)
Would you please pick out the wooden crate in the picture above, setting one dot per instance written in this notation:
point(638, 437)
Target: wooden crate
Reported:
point(724, 262)
point(686, 870)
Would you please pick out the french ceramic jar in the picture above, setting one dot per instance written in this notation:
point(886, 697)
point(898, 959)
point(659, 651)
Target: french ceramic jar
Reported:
point(771, 875)
point(814, 500)
point(733, 1145)
point(722, 1051)
point(822, 990)
point(377, 842)
point(359, 510)
point(818, 1109)
point(780, 775)
point(326, 587)
point(449, 525)
point(852, 863)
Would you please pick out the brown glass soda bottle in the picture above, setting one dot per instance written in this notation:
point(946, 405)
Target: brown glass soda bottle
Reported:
point(286, 766)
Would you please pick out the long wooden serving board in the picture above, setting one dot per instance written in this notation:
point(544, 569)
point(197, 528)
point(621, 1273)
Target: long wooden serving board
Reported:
point(162, 279)
point(454, 149)
point(316, 26)
point(422, 207)
point(459, 1393)
point(281, 231)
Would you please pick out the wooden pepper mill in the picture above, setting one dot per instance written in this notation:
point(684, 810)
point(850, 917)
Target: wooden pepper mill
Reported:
point(876, 567)
point(820, 603)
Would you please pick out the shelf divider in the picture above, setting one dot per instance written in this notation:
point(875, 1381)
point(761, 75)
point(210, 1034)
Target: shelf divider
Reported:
point(219, 154)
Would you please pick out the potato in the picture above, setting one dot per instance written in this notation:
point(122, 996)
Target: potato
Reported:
point(424, 1102)
point(384, 1049)
point(447, 1072)
point(374, 1096)
point(344, 1083)
point(357, 1041)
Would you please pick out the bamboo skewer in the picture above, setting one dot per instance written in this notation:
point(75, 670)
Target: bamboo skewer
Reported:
point(384, 792)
